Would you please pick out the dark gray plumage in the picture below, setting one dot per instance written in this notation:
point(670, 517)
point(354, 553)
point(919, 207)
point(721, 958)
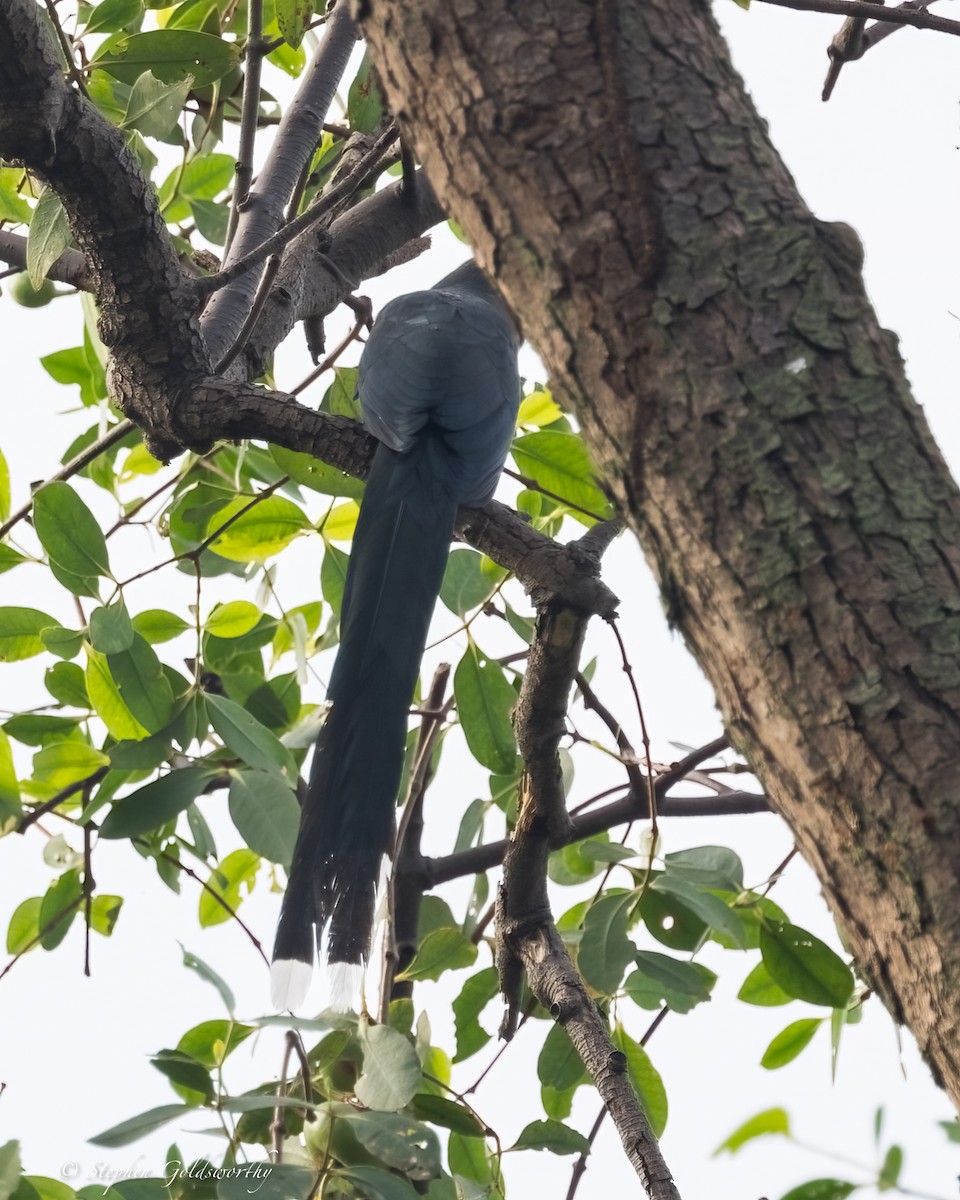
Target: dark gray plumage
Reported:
point(439, 386)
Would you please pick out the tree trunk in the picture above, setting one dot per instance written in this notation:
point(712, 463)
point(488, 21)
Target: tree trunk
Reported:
point(748, 414)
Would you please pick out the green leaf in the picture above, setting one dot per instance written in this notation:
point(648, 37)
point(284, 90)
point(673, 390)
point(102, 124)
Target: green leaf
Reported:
point(152, 806)
point(341, 396)
point(10, 558)
point(661, 979)
point(104, 912)
point(466, 582)
point(260, 531)
point(364, 102)
point(252, 742)
point(212, 219)
point(645, 1078)
point(10, 810)
point(266, 814)
point(339, 525)
point(333, 576)
point(137, 1127)
point(376, 1184)
point(804, 966)
point(790, 1042)
point(391, 1069)
point(211, 1042)
point(396, 1140)
point(710, 909)
point(64, 643)
point(439, 1110)
point(64, 681)
point(485, 702)
point(157, 625)
point(37, 729)
point(441, 950)
point(10, 1169)
point(758, 988)
point(312, 473)
point(232, 620)
point(142, 685)
point(821, 1189)
point(468, 1159)
point(61, 764)
point(111, 631)
point(189, 1077)
point(171, 54)
point(890, 1171)
point(12, 206)
point(49, 236)
point(952, 1129)
point(559, 1065)
point(474, 997)
point(4, 496)
point(20, 632)
point(714, 867)
point(193, 963)
point(154, 107)
point(770, 1121)
point(559, 463)
point(24, 928)
point(58, 908)
point(107, 701)
point(553, 1136)
point(73, 366)
point(237, 871)
point(268, 1181)
point(70, 533)
point(538, 408)
point(110, 16)
point(605, 949)
point(293, 16)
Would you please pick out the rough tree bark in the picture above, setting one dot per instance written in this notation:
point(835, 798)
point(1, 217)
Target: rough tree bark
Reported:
point(750, 417)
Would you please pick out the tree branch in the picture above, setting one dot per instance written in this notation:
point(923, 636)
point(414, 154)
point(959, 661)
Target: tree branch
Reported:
point(263, 213)
point(70, 267)
point(527, 938)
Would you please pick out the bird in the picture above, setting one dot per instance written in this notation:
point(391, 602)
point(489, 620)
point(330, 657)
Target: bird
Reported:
point(439, 387)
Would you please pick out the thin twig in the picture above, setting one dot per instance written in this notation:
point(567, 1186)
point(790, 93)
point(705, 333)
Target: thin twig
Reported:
point(80, 785)
point(331, 358)
point(67, 48)
point(273, 245)
point(256, 308)
point(89, 884)
point(873, 12)
point(254, 52)
point(76, 464)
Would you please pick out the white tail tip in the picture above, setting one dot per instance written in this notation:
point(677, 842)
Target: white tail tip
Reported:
point(289, 983)
point(343, 982)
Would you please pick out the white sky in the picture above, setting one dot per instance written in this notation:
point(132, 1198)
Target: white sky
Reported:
point(882, 155)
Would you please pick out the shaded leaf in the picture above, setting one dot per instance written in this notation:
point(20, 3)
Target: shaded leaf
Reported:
point(20, 632)
point(804, 966)
point(152, 806)
point(266, 814)
point(441, 950)
point(553, 1136)
point(485, 702)
point(49, 236)
point(605, 949)
point(391, 1069)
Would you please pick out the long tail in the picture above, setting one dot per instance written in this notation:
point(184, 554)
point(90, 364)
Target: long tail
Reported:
point(400, 550)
